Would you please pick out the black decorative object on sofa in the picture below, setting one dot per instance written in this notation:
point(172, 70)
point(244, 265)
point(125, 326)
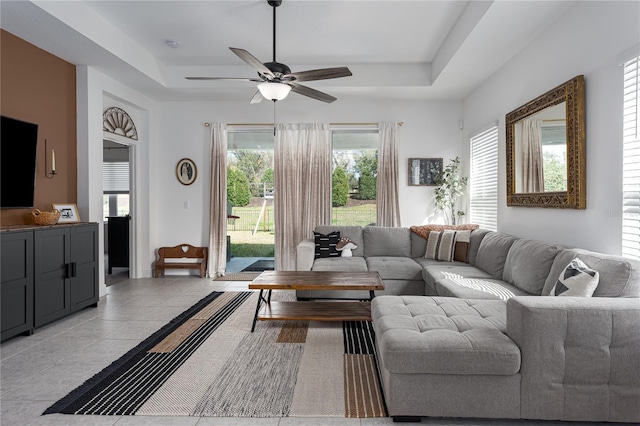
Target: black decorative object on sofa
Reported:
point(326, 244)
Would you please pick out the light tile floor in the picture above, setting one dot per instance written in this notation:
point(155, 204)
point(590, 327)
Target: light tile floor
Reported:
point(37, 370)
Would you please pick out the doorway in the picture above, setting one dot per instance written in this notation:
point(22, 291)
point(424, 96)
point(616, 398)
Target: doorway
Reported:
point(117, 199)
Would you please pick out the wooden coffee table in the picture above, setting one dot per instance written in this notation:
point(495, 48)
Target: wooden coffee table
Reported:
point(314, 311)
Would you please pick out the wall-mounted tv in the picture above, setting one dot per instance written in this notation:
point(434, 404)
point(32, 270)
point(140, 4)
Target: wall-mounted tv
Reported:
point(18, 147)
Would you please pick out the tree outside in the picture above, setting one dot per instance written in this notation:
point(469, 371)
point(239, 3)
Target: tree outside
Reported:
point(339, 187)
point(367, 186)
point(555, 172)
point(238, 192)
point(268, 175)
point(254, 164)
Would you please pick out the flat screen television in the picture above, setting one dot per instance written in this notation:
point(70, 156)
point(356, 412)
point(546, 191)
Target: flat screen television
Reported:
point(18, 148)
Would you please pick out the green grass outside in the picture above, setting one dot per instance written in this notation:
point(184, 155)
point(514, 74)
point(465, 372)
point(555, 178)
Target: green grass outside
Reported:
point(252, 250)
point(245, 244)
point(362, 215)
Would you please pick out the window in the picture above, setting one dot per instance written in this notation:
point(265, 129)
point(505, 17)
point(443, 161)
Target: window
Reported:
point(354, 176)
point(631, 161)
point(115, 181)
point(483, 179)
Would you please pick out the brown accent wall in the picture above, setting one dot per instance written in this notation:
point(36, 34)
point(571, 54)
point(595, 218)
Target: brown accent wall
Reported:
point(40, 88)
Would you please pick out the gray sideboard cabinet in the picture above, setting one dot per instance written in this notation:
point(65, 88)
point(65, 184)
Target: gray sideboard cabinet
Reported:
point(66, 271)
point(16, 283)
point(47, 273)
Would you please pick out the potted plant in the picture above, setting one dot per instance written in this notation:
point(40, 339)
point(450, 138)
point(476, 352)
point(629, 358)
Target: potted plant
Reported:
point(449, 186)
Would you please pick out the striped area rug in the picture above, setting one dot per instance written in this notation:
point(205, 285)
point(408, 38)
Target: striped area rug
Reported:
point(206, 362)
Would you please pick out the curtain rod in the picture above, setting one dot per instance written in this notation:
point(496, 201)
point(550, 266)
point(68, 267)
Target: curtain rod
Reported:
point(207, 124)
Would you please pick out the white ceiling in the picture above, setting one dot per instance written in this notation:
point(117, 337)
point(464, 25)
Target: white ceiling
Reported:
point(395, 49)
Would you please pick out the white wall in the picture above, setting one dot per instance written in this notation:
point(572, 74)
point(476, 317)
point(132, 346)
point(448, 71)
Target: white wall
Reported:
point(94, 91)
point(586, 40)
point(430, 130)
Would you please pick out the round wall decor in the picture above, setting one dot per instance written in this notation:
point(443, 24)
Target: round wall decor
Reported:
point(186, 171)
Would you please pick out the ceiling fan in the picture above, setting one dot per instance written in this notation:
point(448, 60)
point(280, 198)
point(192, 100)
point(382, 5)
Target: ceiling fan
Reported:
point(276, 79)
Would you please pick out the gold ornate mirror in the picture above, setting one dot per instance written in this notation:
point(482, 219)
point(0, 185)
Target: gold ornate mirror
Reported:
point(546, 150)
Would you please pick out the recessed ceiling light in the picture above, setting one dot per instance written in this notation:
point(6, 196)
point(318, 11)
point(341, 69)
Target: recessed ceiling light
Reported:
point(173, 44)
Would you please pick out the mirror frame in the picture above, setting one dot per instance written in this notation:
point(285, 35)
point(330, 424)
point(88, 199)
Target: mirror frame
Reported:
point(575, 197)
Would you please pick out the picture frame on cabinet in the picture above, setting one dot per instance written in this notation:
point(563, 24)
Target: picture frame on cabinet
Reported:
point(423, 171)
point(68, 212)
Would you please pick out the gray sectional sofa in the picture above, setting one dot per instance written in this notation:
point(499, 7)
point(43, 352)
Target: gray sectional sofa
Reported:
point(476, 339)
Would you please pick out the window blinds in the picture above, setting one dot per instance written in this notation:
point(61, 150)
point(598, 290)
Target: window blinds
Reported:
point(115, 178)
point(483, 186)
point(631, 161)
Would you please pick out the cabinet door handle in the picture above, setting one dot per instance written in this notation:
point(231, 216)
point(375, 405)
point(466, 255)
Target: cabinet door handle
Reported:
point(67, 270)
point(74, 271)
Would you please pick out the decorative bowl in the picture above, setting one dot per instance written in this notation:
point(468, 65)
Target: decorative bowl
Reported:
point(45, 218)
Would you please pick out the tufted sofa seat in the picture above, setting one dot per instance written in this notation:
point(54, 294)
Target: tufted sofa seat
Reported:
point(550, 358)
point(441, 335)
point(482, 338)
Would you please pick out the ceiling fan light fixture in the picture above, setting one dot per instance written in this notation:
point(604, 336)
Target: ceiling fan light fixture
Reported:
point(274, 91)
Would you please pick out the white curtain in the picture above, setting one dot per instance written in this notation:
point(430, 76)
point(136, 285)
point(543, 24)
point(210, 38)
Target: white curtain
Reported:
point(302, 186)
point(388, 204)
point(532, 165)
point(218, 204)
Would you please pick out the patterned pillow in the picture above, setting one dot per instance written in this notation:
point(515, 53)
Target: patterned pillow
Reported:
point(577, 280)
point(441, 245)
point(326, 244)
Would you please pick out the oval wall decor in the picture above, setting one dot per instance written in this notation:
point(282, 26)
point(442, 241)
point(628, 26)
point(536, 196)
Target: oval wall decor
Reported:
point(117, 121)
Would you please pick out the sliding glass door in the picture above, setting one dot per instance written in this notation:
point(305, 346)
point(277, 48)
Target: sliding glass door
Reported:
point(250, 222)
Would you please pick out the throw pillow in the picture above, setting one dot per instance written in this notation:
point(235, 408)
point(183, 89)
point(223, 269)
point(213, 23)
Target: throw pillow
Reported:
point(440, 245)
point(577, 280)
point(326, 244)
point(461, 252)
point(424, 230)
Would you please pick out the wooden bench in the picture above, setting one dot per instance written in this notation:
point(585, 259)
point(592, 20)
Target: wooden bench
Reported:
point(182, 251)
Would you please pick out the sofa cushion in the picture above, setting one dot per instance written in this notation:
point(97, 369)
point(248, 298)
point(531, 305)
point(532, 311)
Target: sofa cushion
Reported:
point(618, 275)
point(576, 280)
point(353, 232)
point(326, 244)
point(528, 264)
point(492, 253)
point(340, 264)
point(474, 243)
point(420, 234)
point(477, 288)
point(434, 271)
point(437, 335)
point(455, 270)
point(387, 241)
point(441, 245)
point(418, 245)
point(461, 252)
point(395, 268)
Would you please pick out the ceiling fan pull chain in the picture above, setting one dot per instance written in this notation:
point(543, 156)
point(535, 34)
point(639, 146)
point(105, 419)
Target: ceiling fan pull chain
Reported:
point(274, 117)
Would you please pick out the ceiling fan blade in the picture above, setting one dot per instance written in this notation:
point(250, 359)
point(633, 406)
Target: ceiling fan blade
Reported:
point(253, 61)
point(312, 93)
point(224, 78)
point(257, 98)
point(321, 74)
